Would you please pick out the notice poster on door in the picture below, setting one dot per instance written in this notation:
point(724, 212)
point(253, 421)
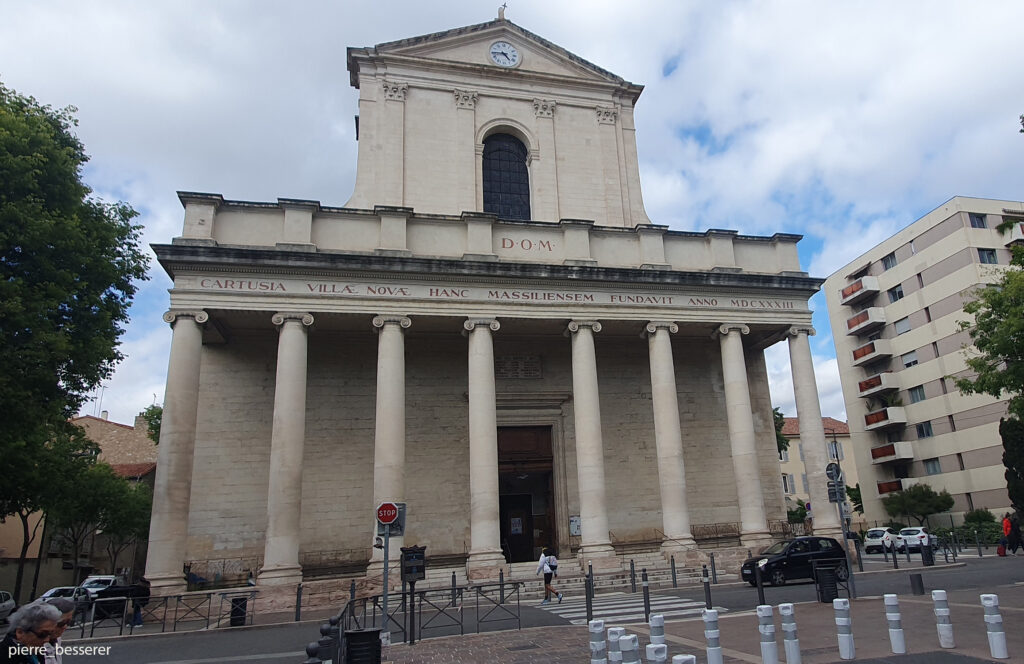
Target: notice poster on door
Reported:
point(516, 526)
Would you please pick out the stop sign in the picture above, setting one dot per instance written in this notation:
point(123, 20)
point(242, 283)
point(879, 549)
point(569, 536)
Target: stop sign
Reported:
point(387, 513)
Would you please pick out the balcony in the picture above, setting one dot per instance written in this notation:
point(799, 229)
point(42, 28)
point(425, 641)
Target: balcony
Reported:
point(1016, 235)
point(885, 418)
point(866, 321)
point(889, 487)
point(878, 384)
point(871, 351)
point(898, 451)
point(858, 291)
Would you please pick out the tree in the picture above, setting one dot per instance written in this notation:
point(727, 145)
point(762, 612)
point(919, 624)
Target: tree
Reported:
point(125, 520)
point(918, 501)
point(68, 266)
point(780, 421)
point(853, 493)
point(1011, 430)
point(154, 416)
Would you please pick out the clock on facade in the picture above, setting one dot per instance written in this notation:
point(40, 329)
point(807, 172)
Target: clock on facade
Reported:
point(504, 54)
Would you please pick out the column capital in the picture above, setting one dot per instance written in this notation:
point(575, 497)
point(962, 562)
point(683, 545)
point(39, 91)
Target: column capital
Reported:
point(172, 315)
point(281, 317)
point(380, 321)
point(465, 98)
point(725, 328)
point(472, 323)
point(655, 325)
point(544, 108)
point(797, 330)
point(575, 325)
point(395, 90)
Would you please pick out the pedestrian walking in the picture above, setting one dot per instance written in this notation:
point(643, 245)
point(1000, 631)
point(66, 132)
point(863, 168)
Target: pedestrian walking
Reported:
point(548, 564)
point(1013, 539)
point(1004, 541)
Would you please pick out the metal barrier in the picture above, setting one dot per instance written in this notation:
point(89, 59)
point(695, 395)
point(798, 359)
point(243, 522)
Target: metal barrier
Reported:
point(241, 608)
point(446, 609)
point(189, 608)
point(112, 610)
point(149, 611)
point(396, 606)
point(501, 608)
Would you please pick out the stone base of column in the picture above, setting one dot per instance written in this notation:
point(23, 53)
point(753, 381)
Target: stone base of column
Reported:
point(834, 531)
point(677, 545)
point(280, 576)
point(163, 585)
point(756, 538)
point(601, 557)
point(483, 566)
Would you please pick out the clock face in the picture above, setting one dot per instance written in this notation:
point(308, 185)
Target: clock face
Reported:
point(504, 54)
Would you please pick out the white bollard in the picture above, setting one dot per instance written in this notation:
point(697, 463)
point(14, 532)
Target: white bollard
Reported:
point(943, 623)
point(766, 626)
point(844, 628)
point(994, 625)
point(657, 652)
point(897, 642)
point(630, 647)
point(684, 659)
point(790, 641)
point(657, 626)
point(711, 633)
point(598, 647)
point(614, 634)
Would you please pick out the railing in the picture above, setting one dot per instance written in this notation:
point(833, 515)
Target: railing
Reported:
point(496, 600)
point(866, 349)
point(857, 320)
point(865, 385)
point(707, 531)
point(169, 613)
point(851, 289)
point(876, 417)
point(883, 451)
point(781, 528)
point(889, 487)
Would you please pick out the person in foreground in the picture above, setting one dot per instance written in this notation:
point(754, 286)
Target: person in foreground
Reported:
point(31, 628)
point(549, 565)
point(52, 648)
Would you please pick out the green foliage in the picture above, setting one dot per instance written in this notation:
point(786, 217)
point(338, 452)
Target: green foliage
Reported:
point(1012, 432)
point(780, 420)
point(154, 416)
point(853, 494)
point(979, 516)
point(918, 501)
point(989, 534)
point(799, 515)
point(125, 520)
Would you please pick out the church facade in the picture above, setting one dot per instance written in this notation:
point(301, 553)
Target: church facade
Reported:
point(490, 330)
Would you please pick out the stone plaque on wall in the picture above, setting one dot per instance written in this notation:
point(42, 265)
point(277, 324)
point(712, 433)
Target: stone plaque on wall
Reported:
point(517, 366)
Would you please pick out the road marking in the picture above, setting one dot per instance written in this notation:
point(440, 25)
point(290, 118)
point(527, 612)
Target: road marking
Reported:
point(234, 658)
point(622, 607)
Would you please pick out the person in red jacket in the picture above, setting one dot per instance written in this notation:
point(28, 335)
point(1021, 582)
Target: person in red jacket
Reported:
point(1006, 533)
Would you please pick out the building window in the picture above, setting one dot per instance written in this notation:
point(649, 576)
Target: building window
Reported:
point(913, 249)
point(952, 423)
point(902, 325)
point(970, 501)
point(783, 456)
point(894, 436)
point(916, 393)
point(932, 466)
point(895, 293)
point(506, 179)
point(960, 460)
point(807, 487)
point(977, 220)
point(924, 430)
point(801, 449)
point(835, 450)
point(942, 384)
point(909, 359)
point(889, 262)
point(788, 485)
point(927, 314)
point(987, 256)
point(920, 280)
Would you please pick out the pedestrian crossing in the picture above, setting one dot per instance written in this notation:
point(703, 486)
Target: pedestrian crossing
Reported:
point(616, 608)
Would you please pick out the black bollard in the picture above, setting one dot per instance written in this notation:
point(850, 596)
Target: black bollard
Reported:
point(885, 553)
point(906, 549)
point(977, 541)
point(589, 591)
point(707, 586)
point(647, 596)
point(945, 549)
point(352, 591)
point(672, 562)
point(312, 649)
point(298, 602)
point(954, 547)
point(454, 591)
point(895, 561)
point(412, 613)
point(714, 572)
point(860, 560)
point(632, 576)
point(501, 587)
point(916, 584)
point(590, 569)
point(325, 642)
point(335, 635)
point(760, 585)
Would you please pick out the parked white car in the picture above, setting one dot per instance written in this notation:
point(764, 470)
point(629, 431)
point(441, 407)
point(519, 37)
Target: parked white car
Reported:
point(6, 604)
point(94, 584)
point(59, 591)
point(915, 538)
point(878, 539)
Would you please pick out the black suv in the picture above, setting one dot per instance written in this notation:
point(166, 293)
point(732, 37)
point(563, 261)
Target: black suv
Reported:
point(791, 559)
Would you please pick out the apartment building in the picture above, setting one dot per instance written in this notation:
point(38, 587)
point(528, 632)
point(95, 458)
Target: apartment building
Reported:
point(895, 313)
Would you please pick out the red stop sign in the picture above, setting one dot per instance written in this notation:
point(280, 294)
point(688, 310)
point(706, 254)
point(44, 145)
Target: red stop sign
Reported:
point(387, 513)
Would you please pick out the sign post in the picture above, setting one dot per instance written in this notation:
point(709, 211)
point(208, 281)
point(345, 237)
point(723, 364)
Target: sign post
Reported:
point(837, 495)
point(388, 514)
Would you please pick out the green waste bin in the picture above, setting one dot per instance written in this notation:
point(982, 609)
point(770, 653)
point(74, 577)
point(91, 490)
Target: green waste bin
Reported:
point(827, 584)
point(362, 646)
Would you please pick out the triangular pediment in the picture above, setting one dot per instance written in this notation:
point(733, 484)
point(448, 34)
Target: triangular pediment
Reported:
point(470, 45)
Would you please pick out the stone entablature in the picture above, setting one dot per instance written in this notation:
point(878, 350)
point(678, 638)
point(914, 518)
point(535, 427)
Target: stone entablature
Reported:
point(306, 225)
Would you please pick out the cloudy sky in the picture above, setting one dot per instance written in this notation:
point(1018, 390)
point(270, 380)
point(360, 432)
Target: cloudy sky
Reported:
point(840, 121)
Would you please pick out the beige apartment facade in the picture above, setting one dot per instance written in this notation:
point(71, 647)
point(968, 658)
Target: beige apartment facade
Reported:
point(895, 313)
point(793, 463)
point(490, 330)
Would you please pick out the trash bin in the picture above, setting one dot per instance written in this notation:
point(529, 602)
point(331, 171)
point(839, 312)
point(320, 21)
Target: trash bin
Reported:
point(362, 646)
point(826, 583)
point(927, 555)
point(238, 608)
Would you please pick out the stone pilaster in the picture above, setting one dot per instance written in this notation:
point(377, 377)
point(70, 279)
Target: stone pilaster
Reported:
point(668, 438)
point(284, 499)
point(168, 528)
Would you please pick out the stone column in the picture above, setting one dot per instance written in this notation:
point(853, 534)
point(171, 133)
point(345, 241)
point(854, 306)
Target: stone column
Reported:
point(168, 527)
point(812, 432)
point(668, 438)
point(389, 434)
point(485, 557)
point(595, 544)
point(753, 519)
point(284, 500)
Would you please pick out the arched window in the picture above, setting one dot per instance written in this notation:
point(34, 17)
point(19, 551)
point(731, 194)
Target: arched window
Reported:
point(506, 180)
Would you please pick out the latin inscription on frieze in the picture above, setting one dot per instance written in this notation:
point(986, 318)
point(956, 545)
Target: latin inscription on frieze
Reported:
point(517, 366)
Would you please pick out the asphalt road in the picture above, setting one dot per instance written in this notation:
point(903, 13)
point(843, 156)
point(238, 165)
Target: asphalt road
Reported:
point(283, 644)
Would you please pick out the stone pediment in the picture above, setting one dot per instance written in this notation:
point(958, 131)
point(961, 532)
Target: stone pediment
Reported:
point(470, 45)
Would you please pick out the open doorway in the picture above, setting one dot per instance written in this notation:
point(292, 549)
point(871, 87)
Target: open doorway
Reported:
point(526, 492)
